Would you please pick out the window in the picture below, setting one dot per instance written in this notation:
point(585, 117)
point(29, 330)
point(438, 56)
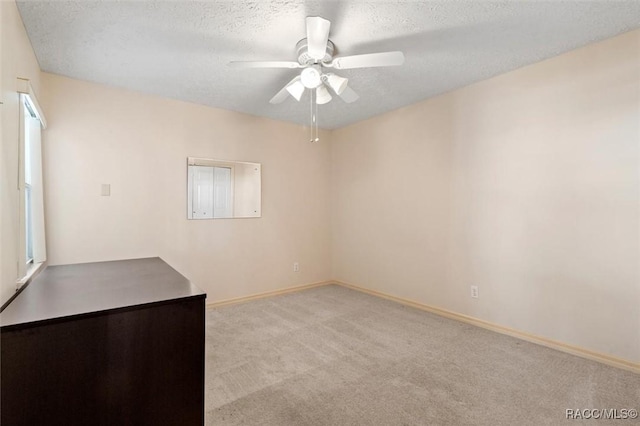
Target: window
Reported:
point(28, 218)
point(32, 236)
point(28, 179)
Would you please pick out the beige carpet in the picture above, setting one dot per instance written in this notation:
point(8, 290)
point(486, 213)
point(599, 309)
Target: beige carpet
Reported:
point(333, 356)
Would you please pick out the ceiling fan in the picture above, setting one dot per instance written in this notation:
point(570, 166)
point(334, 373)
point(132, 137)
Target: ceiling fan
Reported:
point(315, 57)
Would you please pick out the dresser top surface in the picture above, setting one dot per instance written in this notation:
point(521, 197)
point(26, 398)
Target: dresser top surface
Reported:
point(73, 290)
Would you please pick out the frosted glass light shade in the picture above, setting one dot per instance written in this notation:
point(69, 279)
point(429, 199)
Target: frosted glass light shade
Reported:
point(296, 89)
point(310, 77)
point(337, 83)
point(322, 95)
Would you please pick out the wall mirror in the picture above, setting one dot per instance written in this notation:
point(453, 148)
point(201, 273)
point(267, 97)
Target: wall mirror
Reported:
point(220, 189)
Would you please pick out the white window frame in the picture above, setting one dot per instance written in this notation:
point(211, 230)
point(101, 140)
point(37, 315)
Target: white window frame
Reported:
point(28, 267)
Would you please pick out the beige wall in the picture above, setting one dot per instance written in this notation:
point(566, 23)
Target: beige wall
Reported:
point(526, 185)
point(139, 144)
point(17, 60)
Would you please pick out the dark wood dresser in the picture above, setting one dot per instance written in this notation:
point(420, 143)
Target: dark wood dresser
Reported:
point(108, 343)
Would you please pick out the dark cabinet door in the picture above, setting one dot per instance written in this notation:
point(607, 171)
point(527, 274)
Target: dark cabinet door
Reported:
point(136, 366)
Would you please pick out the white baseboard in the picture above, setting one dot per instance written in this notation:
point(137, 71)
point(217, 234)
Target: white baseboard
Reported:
point(271, 293)
point(550, 343)
point(543, 341)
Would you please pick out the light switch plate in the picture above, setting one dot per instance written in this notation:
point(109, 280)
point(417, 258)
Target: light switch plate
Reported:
point(106, 190)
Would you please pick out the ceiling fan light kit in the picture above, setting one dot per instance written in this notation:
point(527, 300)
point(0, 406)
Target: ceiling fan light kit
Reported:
point(315, 53)
point(311, 77)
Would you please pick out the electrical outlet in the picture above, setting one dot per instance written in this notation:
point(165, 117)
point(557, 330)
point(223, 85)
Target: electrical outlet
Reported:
point(474, 291)
point(296, 267)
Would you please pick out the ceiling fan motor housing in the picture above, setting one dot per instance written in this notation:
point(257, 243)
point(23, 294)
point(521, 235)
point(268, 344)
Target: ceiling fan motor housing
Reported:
point(303, 53)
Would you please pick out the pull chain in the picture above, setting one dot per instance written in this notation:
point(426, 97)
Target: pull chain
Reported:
point(314, 117)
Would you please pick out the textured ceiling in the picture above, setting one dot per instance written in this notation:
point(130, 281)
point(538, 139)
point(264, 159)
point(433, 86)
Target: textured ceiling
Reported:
point(180, 49)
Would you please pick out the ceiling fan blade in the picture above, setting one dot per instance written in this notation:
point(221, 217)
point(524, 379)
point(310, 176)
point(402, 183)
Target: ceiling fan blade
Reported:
point(283, 93)
point(317, 36)
point(383, 59)
point(348, 95)
point(263, 64)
